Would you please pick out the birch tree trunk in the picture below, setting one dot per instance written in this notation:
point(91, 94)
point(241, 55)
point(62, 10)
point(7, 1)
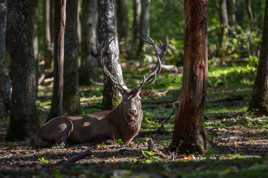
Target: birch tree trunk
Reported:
point(107, 31)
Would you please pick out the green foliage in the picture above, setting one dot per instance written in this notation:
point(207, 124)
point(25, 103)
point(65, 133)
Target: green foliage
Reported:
point(150, 156)
point(43, 160)
point(57, 147)
point(211, 154)
point(119, 141)
point(244, 43)
point(57, 174)
point(253, 61)
point(231, 156)
point(160, 27)
point(77, 169)
point(11, 145)
point(167, 81)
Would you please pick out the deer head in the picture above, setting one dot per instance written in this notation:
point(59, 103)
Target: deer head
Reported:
point(130, 107)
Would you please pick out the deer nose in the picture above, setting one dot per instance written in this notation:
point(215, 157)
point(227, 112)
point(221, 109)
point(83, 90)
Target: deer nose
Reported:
point(132, 112)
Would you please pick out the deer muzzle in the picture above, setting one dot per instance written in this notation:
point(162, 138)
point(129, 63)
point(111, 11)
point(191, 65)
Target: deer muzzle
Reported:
point(132, 112)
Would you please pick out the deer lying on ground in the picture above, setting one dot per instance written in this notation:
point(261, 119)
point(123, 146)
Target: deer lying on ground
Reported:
point(124, 122)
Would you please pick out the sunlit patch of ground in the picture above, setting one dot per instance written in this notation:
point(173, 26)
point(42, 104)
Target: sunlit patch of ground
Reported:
point(239, 140)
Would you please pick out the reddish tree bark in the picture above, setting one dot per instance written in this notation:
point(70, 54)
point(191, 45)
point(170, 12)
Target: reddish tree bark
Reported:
point(250, 13)
point(60, 20)
point(189, 135)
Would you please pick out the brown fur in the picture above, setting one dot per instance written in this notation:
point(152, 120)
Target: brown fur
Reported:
point(124, 122)
point(80, 129)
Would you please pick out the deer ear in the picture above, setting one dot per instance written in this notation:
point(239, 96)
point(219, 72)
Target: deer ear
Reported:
point(146, 92)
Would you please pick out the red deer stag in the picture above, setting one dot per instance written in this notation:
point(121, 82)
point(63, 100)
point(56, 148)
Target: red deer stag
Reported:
point(123, 122)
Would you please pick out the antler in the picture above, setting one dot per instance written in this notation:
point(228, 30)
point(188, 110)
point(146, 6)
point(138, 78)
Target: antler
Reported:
point(101, 48)
point(160, 53)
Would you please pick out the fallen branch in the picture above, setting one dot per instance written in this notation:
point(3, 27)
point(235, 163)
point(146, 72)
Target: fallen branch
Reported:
point(152, 147)
point(163, 101)
point(223, 115)
point(164, 121)
point(228, 99)
point(168, 68)
point(97, 106)
point(77, 157)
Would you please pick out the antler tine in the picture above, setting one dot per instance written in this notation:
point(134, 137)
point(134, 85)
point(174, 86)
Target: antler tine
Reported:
point(160, 52)
point(103, 47)
point(152, 76)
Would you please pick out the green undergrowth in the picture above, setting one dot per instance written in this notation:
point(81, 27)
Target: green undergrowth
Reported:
point(228, 96)
point(246, 168)
point(229, 91)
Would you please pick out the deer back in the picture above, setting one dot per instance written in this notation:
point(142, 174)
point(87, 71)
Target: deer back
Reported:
point(90, 126)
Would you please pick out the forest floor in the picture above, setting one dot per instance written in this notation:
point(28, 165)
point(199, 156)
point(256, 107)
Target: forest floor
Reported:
point(239, 139)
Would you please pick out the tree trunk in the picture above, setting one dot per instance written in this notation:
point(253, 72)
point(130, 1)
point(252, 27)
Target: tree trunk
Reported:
point(240, 12)
point(20, 43)
point(47, 38)
point(222, 51)
point(89, 69)
point(5, 92)
point(136, 24)
point(36, 47)
point(145, 23)
point(79, 33)
point(52, 22)
point(107, 31)
point(231, 12)
point(189, 134)
point(71, 97)
point(60, 19)
point(122, 23)
point(250, 13)
point(259, 100)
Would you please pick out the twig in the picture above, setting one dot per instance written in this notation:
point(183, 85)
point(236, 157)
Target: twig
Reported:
point(163, 101)
point(97, 106)
point(227, 99)
point(168, 118)
point(152, 147)
point(77, 157)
